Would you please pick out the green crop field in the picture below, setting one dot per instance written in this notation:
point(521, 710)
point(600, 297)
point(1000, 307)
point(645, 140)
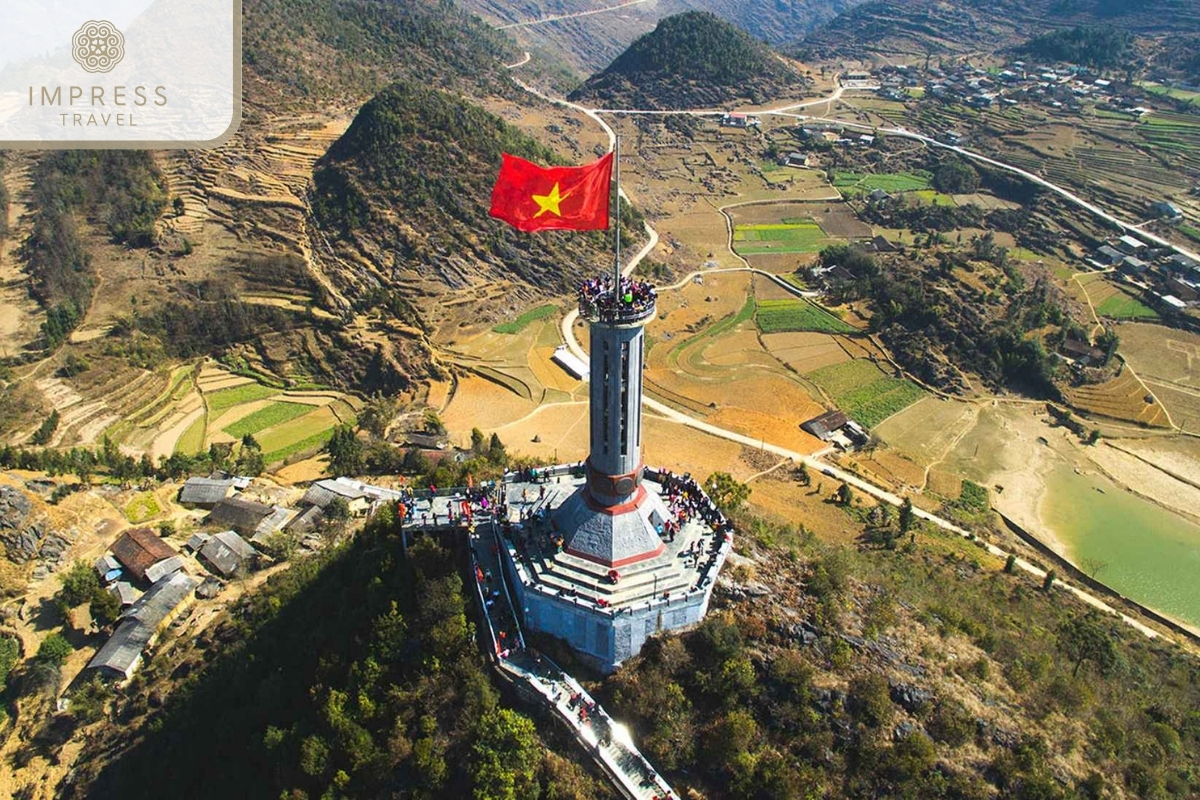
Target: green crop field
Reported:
point(801, 236)
point(1122, 306)
point(782, 316)
point(274, 414)
point(865, 392)
point(888, 182)
point(192, 439)
point(314, 442)
point(225, 399)
point(520, 323)
point(1190, 232)
point(144, 506)
point(934, 197)
point(1175, 94)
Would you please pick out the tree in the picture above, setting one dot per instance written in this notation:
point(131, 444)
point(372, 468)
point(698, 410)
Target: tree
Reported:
point(54, 650)
point(845, 496)
point(1086, 638)
point(956, 177)
point(1010, 563)
point(908, 517)
point(477, 442)
point(727, 493)
point(337, 510)
point(345, 452)
point(496, 452)
point(250, 457)
point(79, 584)
point(1092, 566)
point(506, 756)
point(805, 478)
point(105, 607)
point(1048, 581)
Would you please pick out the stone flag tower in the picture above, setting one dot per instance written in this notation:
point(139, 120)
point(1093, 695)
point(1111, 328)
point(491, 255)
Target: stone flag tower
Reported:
point(612, 520)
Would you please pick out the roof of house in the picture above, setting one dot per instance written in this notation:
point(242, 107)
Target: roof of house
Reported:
point(824, 425)
point(141, 621)
point(164, 568)
point(277, 520)
point(106, 564)
point(226, 551)
point(1131, 241)
point(139, 549)
point(306, 520)
point(238, 513)
point(1110, 251)
point(321, 492)
point(205, 491)
point(1173, 301)
point(197, 540)
point(125, 592)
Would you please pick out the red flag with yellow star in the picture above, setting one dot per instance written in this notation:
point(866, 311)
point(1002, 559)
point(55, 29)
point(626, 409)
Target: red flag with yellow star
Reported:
point(533, 198)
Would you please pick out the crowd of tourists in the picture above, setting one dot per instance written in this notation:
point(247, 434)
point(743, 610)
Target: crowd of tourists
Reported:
point(631, 299)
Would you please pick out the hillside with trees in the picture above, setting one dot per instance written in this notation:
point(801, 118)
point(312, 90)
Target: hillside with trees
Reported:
point(692, 60)
point(409, 186)
point(355, 673)
point(1096, 47)
point(923, 27)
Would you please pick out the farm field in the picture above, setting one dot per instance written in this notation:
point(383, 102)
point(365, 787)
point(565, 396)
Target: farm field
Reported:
point(271, 415)
point(530, 316)
point(801, 236)
point(1165, 354)
point(1112, 300)
point(926, 430)
point(1122, 398)
point(865, 392)
point(785, 316)
point(892, 183)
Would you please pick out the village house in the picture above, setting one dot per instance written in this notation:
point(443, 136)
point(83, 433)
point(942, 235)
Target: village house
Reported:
point(228, 554)
point(168, 566)
point(796, 160)
point(140, 625)
point(1167, 209)
point(205, 492)
point(249, 518)
point(1108, 255)
point(140, 549)
point(1130, 245)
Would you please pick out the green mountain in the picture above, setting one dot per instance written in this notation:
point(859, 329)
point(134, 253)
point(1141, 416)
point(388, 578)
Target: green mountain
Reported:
point(691, 60)
point(918, 27)
point(331, 50)
point(408, 186)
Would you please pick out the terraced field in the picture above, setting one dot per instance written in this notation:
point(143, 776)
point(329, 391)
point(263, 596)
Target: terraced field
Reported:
point(786, 316)
point(861, 183)
point(865, 392)
point(1122, 398)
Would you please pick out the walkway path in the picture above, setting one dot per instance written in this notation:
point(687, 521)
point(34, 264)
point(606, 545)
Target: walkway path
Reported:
point(606, 740)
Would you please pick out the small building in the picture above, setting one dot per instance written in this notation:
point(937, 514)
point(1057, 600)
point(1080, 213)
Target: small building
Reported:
point(228, 553)
point(796, 160)
point(163, 568)
point(306, 521)
point(571, 363)
point(1133, 266)
point(139, 549)
point(734, 119)
point(856, 433)
point(125, 593)
point(1167, 209)
point(1181, 264)
point(824, 426)
point(249, 518)
point(426, 441)
point(1171, 301)
point(323, 492)
point(196, 541)
point(108, 568)
point(1184, 289)
point(880, 244)
point(140, 625)
point(1130, 245)
point(205, 492)
point(879, 196)
point(1082, 352)
point(1106, 254)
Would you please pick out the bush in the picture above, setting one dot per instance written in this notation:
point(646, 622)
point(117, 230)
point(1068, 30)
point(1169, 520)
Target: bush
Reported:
point(869, 700)
point(54, 650)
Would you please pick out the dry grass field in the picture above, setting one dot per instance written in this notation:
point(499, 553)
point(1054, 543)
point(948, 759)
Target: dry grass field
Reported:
point(1122, 398)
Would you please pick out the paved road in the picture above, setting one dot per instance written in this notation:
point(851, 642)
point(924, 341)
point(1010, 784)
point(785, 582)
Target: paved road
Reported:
point(822, 467)
point(560, 17)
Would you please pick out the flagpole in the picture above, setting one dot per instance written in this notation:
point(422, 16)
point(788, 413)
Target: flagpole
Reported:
point(617, 225)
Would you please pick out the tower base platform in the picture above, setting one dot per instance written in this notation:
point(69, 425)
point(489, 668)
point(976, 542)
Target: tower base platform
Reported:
point(607, 612)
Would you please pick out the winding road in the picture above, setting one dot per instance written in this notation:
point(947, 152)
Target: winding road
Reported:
point(666, 412)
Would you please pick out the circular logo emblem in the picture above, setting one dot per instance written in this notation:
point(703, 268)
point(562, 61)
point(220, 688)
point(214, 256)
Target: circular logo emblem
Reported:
point(625, 485)
point(98, 46)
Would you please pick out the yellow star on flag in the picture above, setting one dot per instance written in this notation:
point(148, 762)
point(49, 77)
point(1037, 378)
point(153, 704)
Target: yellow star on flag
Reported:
point(549, 202)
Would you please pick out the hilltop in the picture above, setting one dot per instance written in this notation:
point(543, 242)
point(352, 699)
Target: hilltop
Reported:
point(589, 46)
point(918, 27)
point(408, 188)
point(691, 60)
